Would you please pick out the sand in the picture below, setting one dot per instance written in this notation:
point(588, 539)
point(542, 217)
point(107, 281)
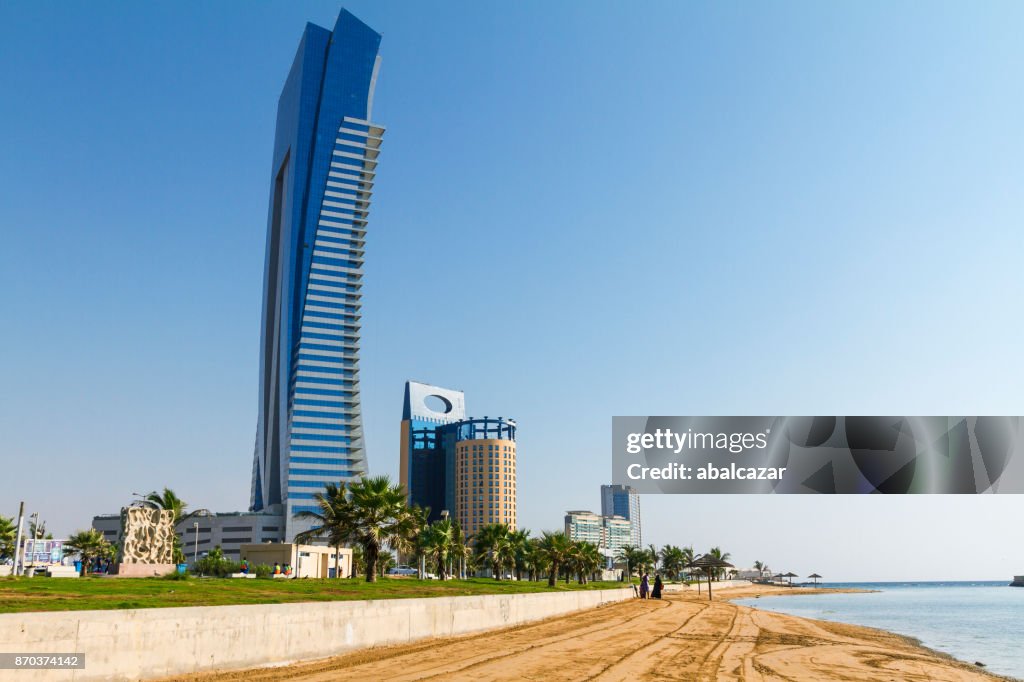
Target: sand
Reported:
point(680, 637)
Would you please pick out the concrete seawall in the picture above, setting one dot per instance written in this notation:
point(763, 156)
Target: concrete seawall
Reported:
point(149, 643)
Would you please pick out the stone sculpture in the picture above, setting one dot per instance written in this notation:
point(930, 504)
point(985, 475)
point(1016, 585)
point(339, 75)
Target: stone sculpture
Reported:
point(147, 536)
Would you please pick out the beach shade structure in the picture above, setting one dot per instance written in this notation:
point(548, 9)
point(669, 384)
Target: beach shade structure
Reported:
point(815, 577)
point(791, 575)
point(708, 564)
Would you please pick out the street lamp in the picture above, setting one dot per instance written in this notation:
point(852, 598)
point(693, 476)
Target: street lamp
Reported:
point(447, 560)
point(195, 553)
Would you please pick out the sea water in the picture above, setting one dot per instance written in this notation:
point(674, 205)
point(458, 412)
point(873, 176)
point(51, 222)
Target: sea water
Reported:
point(972, 621)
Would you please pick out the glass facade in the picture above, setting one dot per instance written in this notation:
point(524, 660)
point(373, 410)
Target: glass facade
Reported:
point(428, 457)
point(452, 463)
point(309, 431)
point(586, 526)
point(624, 501)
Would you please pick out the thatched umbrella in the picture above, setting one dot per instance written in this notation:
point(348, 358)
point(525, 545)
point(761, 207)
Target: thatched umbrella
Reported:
point(708, 564)
point(791, 575)
point(815, 576)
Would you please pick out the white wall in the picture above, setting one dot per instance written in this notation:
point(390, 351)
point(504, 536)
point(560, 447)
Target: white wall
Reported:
point(147, 643)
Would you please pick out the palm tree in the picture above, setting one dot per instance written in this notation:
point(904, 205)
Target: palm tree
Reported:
point(583, 558)
point(385, 560)
point(438, 541)
point(592, 560)
point(358, 565)
point(672, 561)
point(520, 540)
point(89, 545)
point(759, 567)
point(721, 556)
point(376, 515)
point(486, 540)
point(471, 562)
point(633, 557)
point(329, 522)
point(536, 562)
point(370, 513)
point(652, 557)
point(38, 531)
point(554, 547)
point(460, 550)
point(504, 553)
point(7, 537)
point(421, 519)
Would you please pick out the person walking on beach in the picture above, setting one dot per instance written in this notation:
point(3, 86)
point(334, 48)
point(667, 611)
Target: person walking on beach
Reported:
point(645, 586)
point(656, 592)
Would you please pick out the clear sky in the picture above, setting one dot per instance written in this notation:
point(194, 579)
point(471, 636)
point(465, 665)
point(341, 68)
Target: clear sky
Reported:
point(582, 209)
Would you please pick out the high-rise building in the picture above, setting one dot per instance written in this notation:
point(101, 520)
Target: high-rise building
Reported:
point(618, 532)
point(624, 501)
point(584, 525)
point(309, 431)
point(485, 470)
point(450, 462)
point(426, 469)
point(609, 533)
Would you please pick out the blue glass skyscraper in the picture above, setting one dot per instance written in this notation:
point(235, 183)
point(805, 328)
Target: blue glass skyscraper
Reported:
point(325, 153)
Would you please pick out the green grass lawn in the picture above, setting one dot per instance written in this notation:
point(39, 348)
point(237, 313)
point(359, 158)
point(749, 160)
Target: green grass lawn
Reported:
point(74, 594)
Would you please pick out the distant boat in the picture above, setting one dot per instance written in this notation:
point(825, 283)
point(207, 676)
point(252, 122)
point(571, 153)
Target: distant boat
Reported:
point(1018, 581)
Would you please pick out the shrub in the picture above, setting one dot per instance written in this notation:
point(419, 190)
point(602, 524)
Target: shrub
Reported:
point(214, 564)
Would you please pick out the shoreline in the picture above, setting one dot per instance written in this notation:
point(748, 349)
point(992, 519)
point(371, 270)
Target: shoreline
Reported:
point(910, 640)
point(682, 636)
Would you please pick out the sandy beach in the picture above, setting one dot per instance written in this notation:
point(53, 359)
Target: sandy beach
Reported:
point(682, 637)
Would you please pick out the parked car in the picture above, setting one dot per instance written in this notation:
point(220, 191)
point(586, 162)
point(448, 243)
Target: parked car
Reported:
point(402, 570)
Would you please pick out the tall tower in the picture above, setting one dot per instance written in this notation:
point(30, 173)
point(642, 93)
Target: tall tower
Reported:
point(425, 466)
point(309, 431)
point(624, 501)
point(454, 463)
point(485, 471)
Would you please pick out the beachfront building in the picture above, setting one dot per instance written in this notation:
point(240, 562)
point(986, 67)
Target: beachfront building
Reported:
point(309, 431)
point(746, 574)
point(609, 533)
point(584, 525)
point(624, 501)
point(457, 464)
point(617, 533)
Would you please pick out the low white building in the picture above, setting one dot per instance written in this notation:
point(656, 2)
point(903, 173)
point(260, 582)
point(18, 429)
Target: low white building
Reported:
point(307, 561)
point(747, 574)
point(201, 533)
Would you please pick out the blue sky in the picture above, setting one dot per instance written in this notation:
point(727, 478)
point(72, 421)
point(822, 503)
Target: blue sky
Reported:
point(582, 210)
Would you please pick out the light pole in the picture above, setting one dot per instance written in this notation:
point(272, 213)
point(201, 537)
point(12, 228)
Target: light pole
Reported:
point(195, 553)
point(18, 554)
